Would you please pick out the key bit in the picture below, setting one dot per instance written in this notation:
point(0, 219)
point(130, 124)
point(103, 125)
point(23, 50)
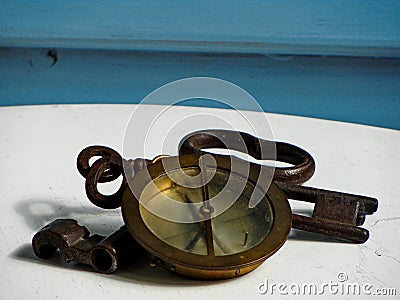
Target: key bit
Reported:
point(102, 253)
point(335, 214)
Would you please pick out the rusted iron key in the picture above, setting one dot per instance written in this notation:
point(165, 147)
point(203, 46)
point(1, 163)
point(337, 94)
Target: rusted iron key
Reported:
point(335, 214)
point(74, 241)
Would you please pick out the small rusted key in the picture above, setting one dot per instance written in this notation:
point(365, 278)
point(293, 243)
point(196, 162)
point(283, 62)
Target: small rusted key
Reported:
point(104, 254)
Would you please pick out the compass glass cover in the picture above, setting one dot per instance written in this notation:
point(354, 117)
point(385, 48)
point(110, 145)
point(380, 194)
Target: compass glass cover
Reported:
point(235, 230)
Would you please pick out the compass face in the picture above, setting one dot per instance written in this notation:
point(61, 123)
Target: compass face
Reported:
point(237, 229)
point(221, 236)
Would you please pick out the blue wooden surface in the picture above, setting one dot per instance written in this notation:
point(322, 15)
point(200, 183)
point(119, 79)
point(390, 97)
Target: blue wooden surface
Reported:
point(117, 52)
point(341, 27)
point(360, 90)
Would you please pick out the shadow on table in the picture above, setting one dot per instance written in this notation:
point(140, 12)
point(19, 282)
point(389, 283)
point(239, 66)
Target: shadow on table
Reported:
point(302, 235)
point(137, 271)
point(38, 213)
point(101, 222)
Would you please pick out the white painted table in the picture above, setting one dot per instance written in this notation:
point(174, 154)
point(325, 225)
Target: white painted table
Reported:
point(39, 183)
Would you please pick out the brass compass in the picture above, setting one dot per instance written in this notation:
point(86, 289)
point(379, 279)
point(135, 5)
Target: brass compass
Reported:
point(227, 245)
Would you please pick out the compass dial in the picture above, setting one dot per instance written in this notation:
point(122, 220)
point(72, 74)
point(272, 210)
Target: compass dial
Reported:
point(237, 229)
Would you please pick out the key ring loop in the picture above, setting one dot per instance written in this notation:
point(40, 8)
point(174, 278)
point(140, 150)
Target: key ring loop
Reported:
point(106, 169)
point(94, 175)
point(86, 154)
point(303, 163)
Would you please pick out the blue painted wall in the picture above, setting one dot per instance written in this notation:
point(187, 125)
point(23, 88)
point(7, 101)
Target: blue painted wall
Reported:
point(356, 27)
point(361, 90)
point(337, 60)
